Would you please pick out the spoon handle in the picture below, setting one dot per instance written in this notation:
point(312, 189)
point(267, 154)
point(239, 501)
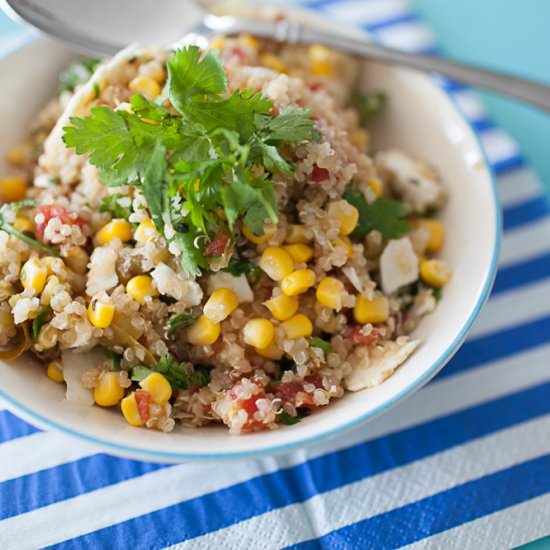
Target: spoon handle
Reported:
point(532, 92)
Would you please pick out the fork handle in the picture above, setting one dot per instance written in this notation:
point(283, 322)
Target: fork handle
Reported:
point(529, 91)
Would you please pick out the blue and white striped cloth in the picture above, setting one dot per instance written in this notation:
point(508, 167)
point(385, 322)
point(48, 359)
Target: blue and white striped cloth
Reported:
point(464, 463)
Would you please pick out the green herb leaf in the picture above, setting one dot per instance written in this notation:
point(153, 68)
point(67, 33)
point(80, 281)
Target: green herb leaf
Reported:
point(191, 257)
point(77, 73)
point(110, 204)
point(369, 105)
point(291, 126)
point(243, 267)
point(153, 184)
point(384, 215)
point(179, 322)
point(40, 320)
point(115, 359)
point(289, 420)
point(437, 293)
point(180, 375)
point(316, 342)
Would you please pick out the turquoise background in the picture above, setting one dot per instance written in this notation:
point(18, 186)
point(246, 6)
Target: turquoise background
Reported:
point(513, 35)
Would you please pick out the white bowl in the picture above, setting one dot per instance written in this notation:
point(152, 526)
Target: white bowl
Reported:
point(421, 120)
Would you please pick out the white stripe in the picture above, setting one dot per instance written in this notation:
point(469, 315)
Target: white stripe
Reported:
point(513, 308)
point(518, 186)
point(25, 455)
point(383, 492)
point(364, 13)
point(498, 145)
point(110, 505)
point(470, 104)
point(525, 241)
point(410, 36)
point(508, 528)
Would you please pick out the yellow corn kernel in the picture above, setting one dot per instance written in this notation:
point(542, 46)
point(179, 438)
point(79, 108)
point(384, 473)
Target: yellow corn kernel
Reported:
point(320, 57)
point(435, 272)
point(272, 352)
point(296, 234)
point(298, 326)
point(360, 138)
point(23, 224)
point(108, 391)
point(130, 410)
point(52, 285)
point(222, 303)
point(329, 292)
point(282, 307)
point(375, 185)
point(437, 234)
point(12, 189)
point(140, 288)
point(203, 332)
point(158, 387)
point(217, 43)
point(146, 230)
point(115, 229)
point(249, 41)
point(300, 253)
point(298, 282)
point(376, 310)
point(276, 262)
point(100, 314)
point(345, 243)
point(55, 373)
point(145, 86)
point(258, 333)
point(77, 260)
point(269, 231)
point(345, 214)
point(33, 275)
point(274, 62)
point(19, 154)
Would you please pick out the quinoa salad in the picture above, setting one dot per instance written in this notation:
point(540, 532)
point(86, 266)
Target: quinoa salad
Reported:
point(210, 237)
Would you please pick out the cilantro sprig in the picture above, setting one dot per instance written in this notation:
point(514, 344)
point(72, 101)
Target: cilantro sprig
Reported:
point(194, 158)
point(385, 215)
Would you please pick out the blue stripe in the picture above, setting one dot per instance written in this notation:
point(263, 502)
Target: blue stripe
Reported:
point(445, 510)
point(524, 273)
point(480, 124)
point(508, 164)
point(66, 481)
point(385, 23)
point(268, 492)
point(452, 86)
point(12, 427)
point(525, 212)
point(505, 343)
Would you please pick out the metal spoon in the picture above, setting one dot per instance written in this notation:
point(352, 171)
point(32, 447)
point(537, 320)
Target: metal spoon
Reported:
point(102, 27)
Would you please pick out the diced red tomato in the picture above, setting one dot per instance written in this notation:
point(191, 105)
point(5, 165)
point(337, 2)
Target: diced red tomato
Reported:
point(216, 246)
point(50, 211)
point(315, 86)
point(143, 400)
point(357, 336)
point(287, 391)
point(249, 405)
point(319, 174)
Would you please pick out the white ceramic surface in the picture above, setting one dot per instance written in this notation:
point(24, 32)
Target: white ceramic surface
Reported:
point(422, 121)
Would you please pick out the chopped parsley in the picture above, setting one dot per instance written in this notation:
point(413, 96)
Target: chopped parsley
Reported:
point(77, 73)
point(243, 267)
point(111, 205)
point(289, 420)
point(180, 375)
point(8, 228)
point(115, 359)
point(179, 322)
point(195, 167)
point(40, 320)
point(384, 215)
point(369, 105)
point(316, 342)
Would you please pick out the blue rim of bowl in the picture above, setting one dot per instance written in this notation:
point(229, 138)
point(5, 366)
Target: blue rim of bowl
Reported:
point(444, 358)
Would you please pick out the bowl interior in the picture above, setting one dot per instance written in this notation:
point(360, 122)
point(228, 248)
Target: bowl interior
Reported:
point(421, 120)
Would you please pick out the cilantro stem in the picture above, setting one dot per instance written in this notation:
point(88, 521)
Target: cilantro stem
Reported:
point(29, 240)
